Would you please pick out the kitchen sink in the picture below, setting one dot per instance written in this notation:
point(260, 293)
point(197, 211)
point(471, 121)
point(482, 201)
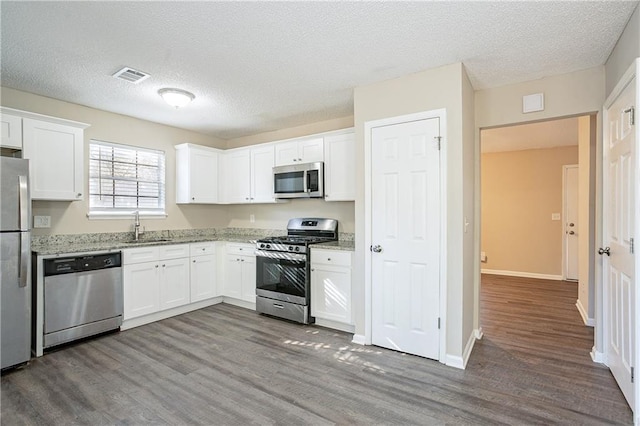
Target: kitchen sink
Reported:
point(156, 240)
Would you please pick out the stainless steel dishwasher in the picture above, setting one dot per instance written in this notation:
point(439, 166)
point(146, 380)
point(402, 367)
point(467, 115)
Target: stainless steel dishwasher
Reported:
point(82, 297)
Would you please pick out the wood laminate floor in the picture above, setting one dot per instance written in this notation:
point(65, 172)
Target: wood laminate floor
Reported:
point(227, 365)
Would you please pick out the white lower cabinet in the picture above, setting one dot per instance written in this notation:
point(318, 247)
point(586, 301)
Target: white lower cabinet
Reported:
point(331, 287)
point(155, 278)
point(240, 272)
point(204, 282)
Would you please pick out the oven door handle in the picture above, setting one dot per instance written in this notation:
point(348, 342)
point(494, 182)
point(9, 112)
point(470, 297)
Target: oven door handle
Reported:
point(295, 257)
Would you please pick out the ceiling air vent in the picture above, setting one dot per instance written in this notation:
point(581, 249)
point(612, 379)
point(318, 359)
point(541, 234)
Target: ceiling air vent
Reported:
point(131, 75)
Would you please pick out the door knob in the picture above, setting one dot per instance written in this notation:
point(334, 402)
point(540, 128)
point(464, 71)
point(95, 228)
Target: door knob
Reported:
point(605, 250)
point(376, 249)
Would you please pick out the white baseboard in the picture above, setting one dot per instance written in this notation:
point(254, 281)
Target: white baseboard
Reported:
point(359, 339)
point(240, 303)
point(478, 333)
point(597, 356)
point(522, 274)
point(157, 316)
point(335, 325)
point(591, 322)
point(461, 361)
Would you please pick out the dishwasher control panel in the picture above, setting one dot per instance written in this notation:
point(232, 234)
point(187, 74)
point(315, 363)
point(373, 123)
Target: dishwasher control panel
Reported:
point(69, 265)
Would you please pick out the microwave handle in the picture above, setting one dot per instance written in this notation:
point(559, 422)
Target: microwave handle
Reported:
point(305, 181)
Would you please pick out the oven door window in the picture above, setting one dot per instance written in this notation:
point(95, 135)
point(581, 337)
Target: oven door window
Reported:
point(281, 276)
point(288, 183)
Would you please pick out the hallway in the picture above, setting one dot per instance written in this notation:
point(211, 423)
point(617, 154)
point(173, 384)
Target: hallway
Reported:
point(536, 345)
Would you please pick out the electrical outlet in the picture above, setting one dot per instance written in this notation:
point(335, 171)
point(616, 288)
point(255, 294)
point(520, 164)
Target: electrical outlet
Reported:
point(483, 256)
point(42, 221)
point(252, 218)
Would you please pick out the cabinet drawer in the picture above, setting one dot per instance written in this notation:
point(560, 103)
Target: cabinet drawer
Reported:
point(174, 251)
point(245, 249)
point(139, 255)
point(199, 249)
point(331, 257)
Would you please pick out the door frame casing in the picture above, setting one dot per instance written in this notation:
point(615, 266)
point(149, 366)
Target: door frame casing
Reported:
point(565, 248)
point(599, 354)
point(368, 127)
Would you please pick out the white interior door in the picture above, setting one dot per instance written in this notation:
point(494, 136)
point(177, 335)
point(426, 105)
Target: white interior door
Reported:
point(618, 259)
point(571, 237)
point(405, 220)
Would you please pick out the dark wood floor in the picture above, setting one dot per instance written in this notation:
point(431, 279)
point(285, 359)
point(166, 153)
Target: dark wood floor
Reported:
point(227, 365)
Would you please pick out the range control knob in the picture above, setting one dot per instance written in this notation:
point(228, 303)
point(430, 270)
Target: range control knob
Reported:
point(108, 261)
point(297, 248)
point(268, 245)
point(261, 245)
point(290, 248)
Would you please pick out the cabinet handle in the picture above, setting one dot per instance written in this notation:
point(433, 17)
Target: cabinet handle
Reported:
point(295, 159)
point(79, 195)
point(241, 260)
point(157, 266)
point(246, 198)
point(328, 259)
point(299, 159)
point(164, 266)
point(194, 261)
point(193, 198)
point(312, 269)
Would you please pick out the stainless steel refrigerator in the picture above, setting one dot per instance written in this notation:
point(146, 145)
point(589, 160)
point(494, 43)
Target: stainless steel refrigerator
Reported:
point(15, 262)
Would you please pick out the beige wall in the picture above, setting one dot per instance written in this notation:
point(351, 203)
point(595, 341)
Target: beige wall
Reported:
point(627, 49)
point(71, 217)
point(520, 191)
point(292, 132)
point(586, 214)
point(444, 87)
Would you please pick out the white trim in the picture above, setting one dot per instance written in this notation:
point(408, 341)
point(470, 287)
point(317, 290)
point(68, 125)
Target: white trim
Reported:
point(359, 339)
point(240, 303)
point(125, 215)
point(597, 356)
point(368, 127)
point(565, 193)
point(478, 333)
point(157, 316)
point(335, 325)
point(522, 274)
point(583, 313)
point(42, 117)
point(461, 361)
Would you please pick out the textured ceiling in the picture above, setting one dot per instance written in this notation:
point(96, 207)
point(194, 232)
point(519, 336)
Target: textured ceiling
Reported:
point(260, 66)
point(546, 134)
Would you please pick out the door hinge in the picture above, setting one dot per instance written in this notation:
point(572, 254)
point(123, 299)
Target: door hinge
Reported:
point(632, 375)
point(438, 323)
point(439, 139)
point(631, 247)
point(632, 115)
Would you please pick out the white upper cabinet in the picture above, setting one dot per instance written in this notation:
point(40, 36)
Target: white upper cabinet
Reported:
point(248, 175)
point(236, 179)
point(56, 154)
point(262, 162)
point(11, 131)
point(307, 150)
point(339, 167)
point(196, 174)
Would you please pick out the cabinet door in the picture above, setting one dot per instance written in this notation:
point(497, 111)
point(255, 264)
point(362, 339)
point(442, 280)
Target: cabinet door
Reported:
point(331, 293)
point(262, 162)
point(11, 131)
point(311, 150)
point(248, 264)
point(286, 153)
point(203, 277)
point(196, 175)
point(233, 276)
point(56, 159)
point(237, 177)
point(141, 284)
point(174, 283)
point(339, 168)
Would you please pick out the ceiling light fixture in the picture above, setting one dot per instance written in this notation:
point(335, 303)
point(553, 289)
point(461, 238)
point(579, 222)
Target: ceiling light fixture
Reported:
point(175, 97)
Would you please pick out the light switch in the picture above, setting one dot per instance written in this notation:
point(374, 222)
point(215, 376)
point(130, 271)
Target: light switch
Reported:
point(555, 216)
point(42, 221)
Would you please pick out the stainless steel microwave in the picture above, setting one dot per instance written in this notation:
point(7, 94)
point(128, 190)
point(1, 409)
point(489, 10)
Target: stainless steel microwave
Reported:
point(299, 181)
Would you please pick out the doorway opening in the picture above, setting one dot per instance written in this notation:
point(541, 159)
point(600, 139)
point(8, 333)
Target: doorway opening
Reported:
point(535, 233)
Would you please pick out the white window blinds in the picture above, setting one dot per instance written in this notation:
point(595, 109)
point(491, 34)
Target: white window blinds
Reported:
point(124, 179)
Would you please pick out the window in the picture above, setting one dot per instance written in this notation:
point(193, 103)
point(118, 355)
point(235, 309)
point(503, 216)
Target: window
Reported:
point(124, 179)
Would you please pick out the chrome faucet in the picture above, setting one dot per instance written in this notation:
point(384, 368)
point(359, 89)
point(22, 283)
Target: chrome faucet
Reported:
point(136, 227)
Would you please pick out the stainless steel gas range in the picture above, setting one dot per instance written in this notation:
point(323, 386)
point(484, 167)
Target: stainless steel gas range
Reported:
point(282, 268)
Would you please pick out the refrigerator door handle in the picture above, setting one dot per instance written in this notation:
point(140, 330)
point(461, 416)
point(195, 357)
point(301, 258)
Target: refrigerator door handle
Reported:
point(23, 260)
point(23, 203)
point(23, 206)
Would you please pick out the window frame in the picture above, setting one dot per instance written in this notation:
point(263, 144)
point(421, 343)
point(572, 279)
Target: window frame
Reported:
point(102, 212)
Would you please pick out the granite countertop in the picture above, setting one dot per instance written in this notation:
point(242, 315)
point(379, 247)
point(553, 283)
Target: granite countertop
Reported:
point(336, 245)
